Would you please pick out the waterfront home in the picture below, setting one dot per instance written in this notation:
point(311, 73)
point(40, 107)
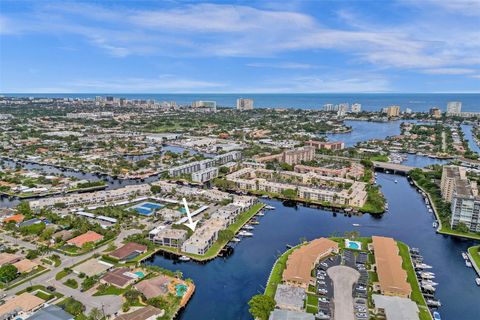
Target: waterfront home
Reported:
point(128, 251)
point(302, 261)
point(120, 277)
point(145, 313)
point(154, 287)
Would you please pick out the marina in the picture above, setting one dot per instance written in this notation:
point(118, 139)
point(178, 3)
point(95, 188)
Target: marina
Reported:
point(232, 281)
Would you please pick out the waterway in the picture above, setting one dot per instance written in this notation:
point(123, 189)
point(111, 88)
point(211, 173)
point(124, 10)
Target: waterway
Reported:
point(367, 130)
point(467, 131)
point(225, 285)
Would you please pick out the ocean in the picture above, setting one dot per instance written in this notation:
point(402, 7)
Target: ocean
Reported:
point(369, 101)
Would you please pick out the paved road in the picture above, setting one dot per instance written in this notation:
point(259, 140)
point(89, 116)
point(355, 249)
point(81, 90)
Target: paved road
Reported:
point(343, 279)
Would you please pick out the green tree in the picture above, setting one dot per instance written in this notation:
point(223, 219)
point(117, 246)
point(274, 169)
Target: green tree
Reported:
point(8, 273)
point(261, 306)
point(24, 208)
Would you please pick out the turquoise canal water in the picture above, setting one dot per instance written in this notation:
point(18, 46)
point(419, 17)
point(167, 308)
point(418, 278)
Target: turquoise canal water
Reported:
point(224, 285)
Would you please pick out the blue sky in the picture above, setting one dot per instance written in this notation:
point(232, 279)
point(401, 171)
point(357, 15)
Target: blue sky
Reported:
point(239, 46)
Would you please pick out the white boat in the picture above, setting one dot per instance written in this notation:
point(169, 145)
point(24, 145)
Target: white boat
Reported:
point(184, 258)
point(428, 288)
point(260, 214)
point(356, 224)
point(468, 263)
point(235, 239)
point(248, 227)
point(422, 266)
point(465, 256)
point(269, 207)
point(477, 280)
point(430, 210)
point(435, 224)
point(429, 283)
point(396, 181)
point(245, 233)
point(433, 303)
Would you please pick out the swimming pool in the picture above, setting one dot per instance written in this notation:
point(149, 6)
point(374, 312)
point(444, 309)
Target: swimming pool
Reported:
point(181, 290)
point(355, 245)
point(151, 205)
point(140, 274)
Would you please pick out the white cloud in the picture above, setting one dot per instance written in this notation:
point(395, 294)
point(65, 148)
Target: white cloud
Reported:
point(281, 65)
point(450, 71)
point(208, 30)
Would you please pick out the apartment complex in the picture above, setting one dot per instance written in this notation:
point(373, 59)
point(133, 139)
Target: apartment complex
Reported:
point(244, 104)
point(168, 237)
point(83, 199)
point(205, 175)
point(463, 196)
point(302, 261)
point(392, 278)
point(292, 157)
point(334, 145)
point(196, 166)
point(308, 186)
point(353, 171)
point(435, 113)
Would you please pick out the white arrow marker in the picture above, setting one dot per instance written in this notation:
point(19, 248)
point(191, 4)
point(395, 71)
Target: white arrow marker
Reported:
point(191, 224)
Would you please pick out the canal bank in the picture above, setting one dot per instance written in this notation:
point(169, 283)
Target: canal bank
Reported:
point(225, 285)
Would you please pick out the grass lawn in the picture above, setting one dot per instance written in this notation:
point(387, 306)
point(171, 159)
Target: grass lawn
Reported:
point(276, 275)
point(111, 290)
point(44, 296)
point(62, 274)
point(72, 283)
point(416, 295)
point(312, 309)
point(312, 300)
point(475, 254)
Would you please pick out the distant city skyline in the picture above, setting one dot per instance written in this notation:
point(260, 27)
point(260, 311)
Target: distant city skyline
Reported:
point(239, 46)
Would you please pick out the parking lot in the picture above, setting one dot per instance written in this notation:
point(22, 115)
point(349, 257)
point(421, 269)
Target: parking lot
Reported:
point(353, 263)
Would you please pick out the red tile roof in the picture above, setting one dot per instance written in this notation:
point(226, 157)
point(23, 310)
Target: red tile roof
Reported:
point(89, 236)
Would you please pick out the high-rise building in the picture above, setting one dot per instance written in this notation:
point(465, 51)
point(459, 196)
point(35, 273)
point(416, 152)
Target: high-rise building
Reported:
point(343, 108)
point(392, 111)
point(356, 108)
point(244, 104)
point(454, 107)
point(209, 106)
point(408, 110)
point(330, 107)
point(435, 113)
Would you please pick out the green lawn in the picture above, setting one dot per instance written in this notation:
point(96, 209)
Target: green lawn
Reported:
point(416, 295)
point(62, 274)
point(111, 290)
point(44, 296)
point(475, 254)
point(72, 283)
point(276, 274)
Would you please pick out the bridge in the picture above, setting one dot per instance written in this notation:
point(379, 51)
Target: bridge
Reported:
point(394, 167)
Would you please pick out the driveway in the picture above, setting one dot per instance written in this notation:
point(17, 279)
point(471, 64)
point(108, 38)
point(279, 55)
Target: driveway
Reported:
point(343, 280)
